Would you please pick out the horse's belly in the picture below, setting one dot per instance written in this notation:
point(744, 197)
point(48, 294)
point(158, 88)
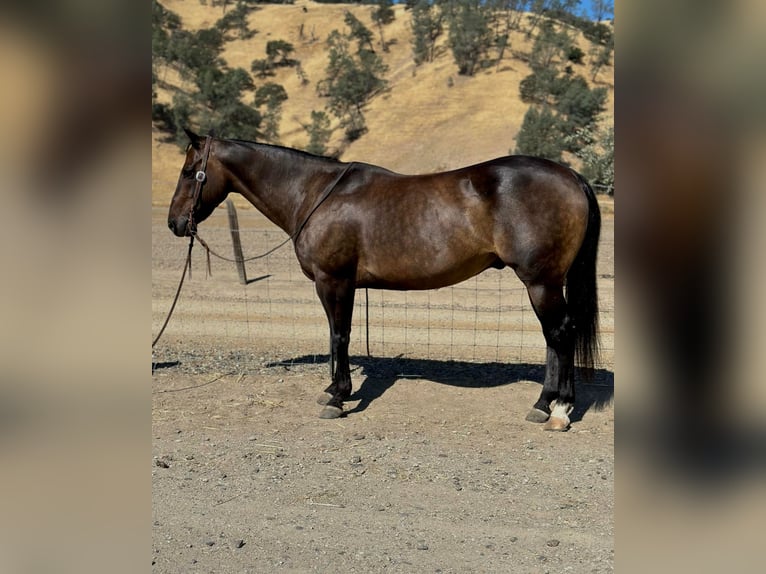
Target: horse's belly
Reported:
point(403, 272)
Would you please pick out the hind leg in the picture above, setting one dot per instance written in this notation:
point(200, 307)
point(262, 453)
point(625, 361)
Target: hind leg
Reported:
point(558, 395)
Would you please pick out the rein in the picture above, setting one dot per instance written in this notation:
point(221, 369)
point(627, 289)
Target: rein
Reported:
point(187, 265)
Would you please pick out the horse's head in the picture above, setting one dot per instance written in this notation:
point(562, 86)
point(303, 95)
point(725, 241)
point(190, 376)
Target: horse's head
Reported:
point(201, 187)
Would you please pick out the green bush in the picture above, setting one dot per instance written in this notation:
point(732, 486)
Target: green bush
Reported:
point(540, 134)
point(575, 55)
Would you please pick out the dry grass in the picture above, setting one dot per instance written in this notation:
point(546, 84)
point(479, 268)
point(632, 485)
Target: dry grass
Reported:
point(429, 119)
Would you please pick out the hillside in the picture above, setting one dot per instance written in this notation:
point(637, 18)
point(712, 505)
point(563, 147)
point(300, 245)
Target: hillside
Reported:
point(429, 119)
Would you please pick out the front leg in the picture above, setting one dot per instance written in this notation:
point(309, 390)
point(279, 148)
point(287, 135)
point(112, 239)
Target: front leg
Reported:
point(328, 393)
point(337, 296)
point(340, 388)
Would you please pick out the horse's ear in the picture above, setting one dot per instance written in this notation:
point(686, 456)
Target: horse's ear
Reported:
point(196, 140)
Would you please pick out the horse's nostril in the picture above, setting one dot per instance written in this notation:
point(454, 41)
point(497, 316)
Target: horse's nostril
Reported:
point(178, 226)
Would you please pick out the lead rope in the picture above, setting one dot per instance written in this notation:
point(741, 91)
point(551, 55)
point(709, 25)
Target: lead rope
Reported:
point(210, 251)
point(187, 265)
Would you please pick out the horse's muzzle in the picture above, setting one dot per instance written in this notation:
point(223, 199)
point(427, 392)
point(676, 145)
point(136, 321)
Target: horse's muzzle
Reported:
point(179, 226)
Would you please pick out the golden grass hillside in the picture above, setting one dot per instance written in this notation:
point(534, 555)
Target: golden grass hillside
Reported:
point(429, 119)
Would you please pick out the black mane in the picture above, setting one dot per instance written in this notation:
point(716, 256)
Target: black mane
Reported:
point(297, 152)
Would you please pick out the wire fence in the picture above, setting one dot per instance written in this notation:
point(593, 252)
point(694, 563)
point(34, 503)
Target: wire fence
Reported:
point(486, 318)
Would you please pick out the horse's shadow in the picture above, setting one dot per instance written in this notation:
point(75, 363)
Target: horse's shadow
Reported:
point(381, 373)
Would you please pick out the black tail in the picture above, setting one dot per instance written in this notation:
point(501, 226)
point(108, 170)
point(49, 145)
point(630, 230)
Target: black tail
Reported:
point(582, 295)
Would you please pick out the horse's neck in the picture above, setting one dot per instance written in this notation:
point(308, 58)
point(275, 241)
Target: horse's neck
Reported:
point(277, 186)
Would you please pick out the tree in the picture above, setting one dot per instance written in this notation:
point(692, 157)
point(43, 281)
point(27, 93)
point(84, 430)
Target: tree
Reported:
point(220, 105)
point(552, 45)
point(191, 52)
point(164, 23)
point(540, 87)
point(382, 16)
point(234, 119)
point(272, 96)
point(569, 98)
point(469, 35)
point(597, 155)
point(538, 8)
point(277, 55)
point(575, 55)
point(220, 86)
point(561, 102)
point(597, 32)
point(426, 28)
point(262, 68)
point(601, 55)
point(579, 104)
point(222, 3)
point(541, 134)
point(358, 32)
point(172, 118)
point(236, 21)
point(213, 94)
point(508, 14)
point(282, 50)
point(319, 133)
point(602, 9)
point(351, 80)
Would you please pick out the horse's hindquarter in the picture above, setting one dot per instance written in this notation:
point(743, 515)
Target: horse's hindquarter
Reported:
point(541, 219)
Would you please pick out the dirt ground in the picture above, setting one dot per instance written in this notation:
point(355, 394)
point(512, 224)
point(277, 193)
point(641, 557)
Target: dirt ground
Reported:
point(433, 469)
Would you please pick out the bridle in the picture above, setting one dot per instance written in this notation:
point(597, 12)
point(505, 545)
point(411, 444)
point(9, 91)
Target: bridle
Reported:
point(199, 178)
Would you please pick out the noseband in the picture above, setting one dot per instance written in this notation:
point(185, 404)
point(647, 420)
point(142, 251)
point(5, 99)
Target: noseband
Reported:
point(200, 177)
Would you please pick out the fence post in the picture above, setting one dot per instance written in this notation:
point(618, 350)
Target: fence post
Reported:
point(236, 244)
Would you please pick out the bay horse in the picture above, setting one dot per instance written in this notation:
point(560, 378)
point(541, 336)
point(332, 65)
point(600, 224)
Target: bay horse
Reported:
point(356, 225)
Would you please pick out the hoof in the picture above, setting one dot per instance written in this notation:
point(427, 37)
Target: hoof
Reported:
point(559, 420)
point(537, 416)
point(557, 424)
point(324, 398)
point(330, 412)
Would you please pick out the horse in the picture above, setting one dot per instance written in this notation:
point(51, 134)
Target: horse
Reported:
point(356, 225)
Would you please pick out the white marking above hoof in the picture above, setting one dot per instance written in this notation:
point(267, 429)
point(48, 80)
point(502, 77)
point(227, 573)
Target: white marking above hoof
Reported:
point(330, 412)
point(559, 420)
